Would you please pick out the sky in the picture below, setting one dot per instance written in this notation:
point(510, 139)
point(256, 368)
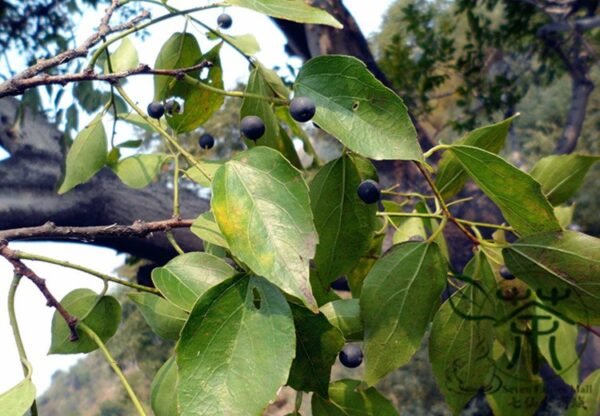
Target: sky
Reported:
point(33, 316)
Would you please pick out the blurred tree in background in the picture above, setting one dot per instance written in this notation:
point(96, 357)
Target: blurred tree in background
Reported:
point(460, 64)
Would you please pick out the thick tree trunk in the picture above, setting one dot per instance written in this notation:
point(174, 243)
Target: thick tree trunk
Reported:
point(581, 91)
point(30, 177)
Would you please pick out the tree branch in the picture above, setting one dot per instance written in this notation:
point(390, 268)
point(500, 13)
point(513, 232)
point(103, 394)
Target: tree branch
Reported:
point(19, 86)
point(22, 270)
point(49, 230)
point(44, 65)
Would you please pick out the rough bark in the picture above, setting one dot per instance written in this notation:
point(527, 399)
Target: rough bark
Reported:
point(32, 173)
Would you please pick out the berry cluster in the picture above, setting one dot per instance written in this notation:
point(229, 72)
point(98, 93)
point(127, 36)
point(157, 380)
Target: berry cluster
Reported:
point(302, 109)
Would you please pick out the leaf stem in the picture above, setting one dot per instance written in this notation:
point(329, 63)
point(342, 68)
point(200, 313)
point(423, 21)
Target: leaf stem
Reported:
point(434, 149)
point(113, 364)
point(12, 316)
point(105, 277)
point(238, 94)
point(410, 214)
point(176, 210)
point(438, 230)
point(173, 242)
point(484, 224)
point(443, 205)
point(408, 194)
point(459, 201)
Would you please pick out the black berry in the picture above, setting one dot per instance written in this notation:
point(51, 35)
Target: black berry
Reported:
point(252, 127)
point(156, 110)
point(351, 356)
point(341, 284)
point(206, 141)
point(506, 274)
point(224, 21)
point(369, 191)
point(302, 109)
point(172, 107)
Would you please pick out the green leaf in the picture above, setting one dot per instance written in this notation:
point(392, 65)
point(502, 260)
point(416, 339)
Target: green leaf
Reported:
point(294, 10)
point(262, 207)
point(564, 215)
point(236, 349)
point(565, 264)
point(357, 276)
point(139, 171)
point(124, 58)
point(518, 196)
point(113, 157)
point(206, 228)
point(407, 228)
point(396, 305)
point(345, 224)
point(215, 250)
point(199, 103)
point(563, 357)
point(586, 401)
point(275, 83)
point(246, 43)
point(200, 176)
point(460, 347)
point(163, 392)
point(321, 293)
point(317, 346)
point(519, 392)
point(86, 157)
point(89, 99)
point(562, 175)
point(186, 277)
point(354, 106)
point(130, 144)
point(275, 137)
point(431, 226)
point(165, 319)
point(18, 400)
point(451, 176)
point(347, 398)
point(344, 314)
point(101, 314)
point(182, 51)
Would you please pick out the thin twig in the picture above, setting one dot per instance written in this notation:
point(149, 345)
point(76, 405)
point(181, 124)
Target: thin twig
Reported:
point(22, 269)
point(105, 277)
point(113, 364)
point(19, 86)
point(27, 371)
